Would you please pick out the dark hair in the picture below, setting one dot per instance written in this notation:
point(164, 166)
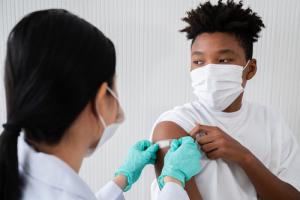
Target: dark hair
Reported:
point(227, 17)
point(54, 67)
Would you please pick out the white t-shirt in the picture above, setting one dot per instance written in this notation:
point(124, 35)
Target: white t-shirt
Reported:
point(257, 128)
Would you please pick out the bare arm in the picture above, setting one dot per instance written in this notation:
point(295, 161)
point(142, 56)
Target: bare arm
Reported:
point(169, 130)
point(267, 185)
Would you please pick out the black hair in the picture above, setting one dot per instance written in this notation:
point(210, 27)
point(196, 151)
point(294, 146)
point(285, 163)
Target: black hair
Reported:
point(54, 66)
point(227, 17)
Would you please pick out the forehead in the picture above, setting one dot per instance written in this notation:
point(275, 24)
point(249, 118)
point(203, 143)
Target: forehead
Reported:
point(212, 43)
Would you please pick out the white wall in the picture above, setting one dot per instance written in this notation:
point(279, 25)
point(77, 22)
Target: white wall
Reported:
point(153, 65)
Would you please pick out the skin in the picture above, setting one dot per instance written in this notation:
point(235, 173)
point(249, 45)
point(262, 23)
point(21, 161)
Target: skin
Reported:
point(222, 48)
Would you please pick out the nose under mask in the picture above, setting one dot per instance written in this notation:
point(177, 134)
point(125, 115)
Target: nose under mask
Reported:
point(218, 85)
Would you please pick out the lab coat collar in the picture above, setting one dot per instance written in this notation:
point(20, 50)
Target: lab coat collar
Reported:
point(51, 170)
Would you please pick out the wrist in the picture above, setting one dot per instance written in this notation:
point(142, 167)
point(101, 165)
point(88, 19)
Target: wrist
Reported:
point(121, 181)
point(168, 179)
point(246, 159)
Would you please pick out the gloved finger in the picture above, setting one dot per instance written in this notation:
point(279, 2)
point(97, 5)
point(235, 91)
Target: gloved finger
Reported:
point(187, 139)
point(142, 145)
point(152, 161)
point(175, 144)
point(153, 148)
point(151, 152)
point(151, 158)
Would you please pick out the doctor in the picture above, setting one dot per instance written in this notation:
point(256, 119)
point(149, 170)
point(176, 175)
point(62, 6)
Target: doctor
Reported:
point(61, 106)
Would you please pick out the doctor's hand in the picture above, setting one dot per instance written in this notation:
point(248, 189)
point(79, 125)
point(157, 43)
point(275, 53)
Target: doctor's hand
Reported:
point(139, 155)
point(215, 143)
point(181, 162)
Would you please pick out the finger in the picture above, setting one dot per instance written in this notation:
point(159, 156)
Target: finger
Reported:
point(187, 139)
point(151, 158)
point(175, 144)
point(209, 147)
point(201, 129)
point(153, 148)
point(206, 139)
point(195, 131)
point(213, 155)
point(142, 145)
point(198, 129)
point(152, 161)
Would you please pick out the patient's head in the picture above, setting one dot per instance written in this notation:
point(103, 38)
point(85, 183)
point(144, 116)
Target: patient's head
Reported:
point(222, 33)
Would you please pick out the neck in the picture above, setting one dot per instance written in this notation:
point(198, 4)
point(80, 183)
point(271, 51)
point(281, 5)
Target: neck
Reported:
point(69, 151)
point(235, 106)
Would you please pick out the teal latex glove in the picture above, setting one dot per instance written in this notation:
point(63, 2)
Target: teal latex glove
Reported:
point(141, 154)
point(182, 161)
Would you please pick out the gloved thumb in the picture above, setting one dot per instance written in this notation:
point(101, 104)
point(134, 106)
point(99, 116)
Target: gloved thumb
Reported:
point(153, 148)
point(175, 144)
point(187, 139)
point(142, 145)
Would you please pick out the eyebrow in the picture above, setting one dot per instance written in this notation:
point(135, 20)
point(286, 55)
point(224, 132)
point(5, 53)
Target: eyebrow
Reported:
point(222, 51)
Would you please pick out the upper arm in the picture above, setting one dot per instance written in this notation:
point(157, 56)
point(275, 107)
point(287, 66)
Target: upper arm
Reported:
point(170, 130)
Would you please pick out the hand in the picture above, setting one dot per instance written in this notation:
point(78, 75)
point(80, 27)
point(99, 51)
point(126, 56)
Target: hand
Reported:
point(182, 161)
point(141, 154)
point(215, 143)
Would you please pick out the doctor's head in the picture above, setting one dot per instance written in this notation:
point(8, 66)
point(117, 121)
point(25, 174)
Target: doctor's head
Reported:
point(223, 34)
point(60, 83)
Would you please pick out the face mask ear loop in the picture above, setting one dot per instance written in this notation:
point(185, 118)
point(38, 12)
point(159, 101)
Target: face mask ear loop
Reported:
point(101, 119)
point(113, 93)
point(247, 64)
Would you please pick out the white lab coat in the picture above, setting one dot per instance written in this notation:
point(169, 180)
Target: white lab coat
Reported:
point(47, 178)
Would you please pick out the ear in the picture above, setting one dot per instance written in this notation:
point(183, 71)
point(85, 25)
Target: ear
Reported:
point(101, 94)
point(251, 70)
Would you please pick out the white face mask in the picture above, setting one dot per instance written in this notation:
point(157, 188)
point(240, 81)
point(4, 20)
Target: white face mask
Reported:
point(109, 130)
point(218, 85)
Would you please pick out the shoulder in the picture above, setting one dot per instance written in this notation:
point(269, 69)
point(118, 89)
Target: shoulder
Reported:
point(174, 123)
point(262, 113)
point(184, 116)
point(275, 123)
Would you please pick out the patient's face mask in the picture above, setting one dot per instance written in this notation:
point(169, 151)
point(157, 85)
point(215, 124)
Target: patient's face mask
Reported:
point(218, 85)
point(109, 130)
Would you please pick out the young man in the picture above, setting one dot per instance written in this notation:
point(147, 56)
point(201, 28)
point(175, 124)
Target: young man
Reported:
point(248, 151)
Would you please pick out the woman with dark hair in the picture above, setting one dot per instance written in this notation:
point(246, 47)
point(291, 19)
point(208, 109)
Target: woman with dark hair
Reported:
point(61, 106)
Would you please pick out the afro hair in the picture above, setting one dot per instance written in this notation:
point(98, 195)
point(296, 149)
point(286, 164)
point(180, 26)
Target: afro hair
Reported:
point(228, 17)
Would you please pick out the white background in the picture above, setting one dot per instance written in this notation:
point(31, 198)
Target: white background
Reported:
point(153, 66)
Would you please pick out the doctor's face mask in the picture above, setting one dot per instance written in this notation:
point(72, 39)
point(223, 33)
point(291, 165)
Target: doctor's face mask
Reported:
point(109, 130)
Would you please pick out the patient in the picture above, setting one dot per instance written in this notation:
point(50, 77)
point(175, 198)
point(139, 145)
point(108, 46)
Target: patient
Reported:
point(249, 152)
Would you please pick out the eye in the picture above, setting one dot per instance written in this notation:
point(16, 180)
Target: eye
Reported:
point(198, 62)
point(226, 60)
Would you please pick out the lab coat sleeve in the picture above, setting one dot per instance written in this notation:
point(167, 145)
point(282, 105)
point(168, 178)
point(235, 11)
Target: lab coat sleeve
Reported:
point(110, 191)
point(172, 191)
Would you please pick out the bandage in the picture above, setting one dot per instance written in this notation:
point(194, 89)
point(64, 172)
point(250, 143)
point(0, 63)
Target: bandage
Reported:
point(164, 143)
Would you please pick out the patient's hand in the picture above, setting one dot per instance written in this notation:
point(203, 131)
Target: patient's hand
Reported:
point(215, 143)
point(169, 130)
